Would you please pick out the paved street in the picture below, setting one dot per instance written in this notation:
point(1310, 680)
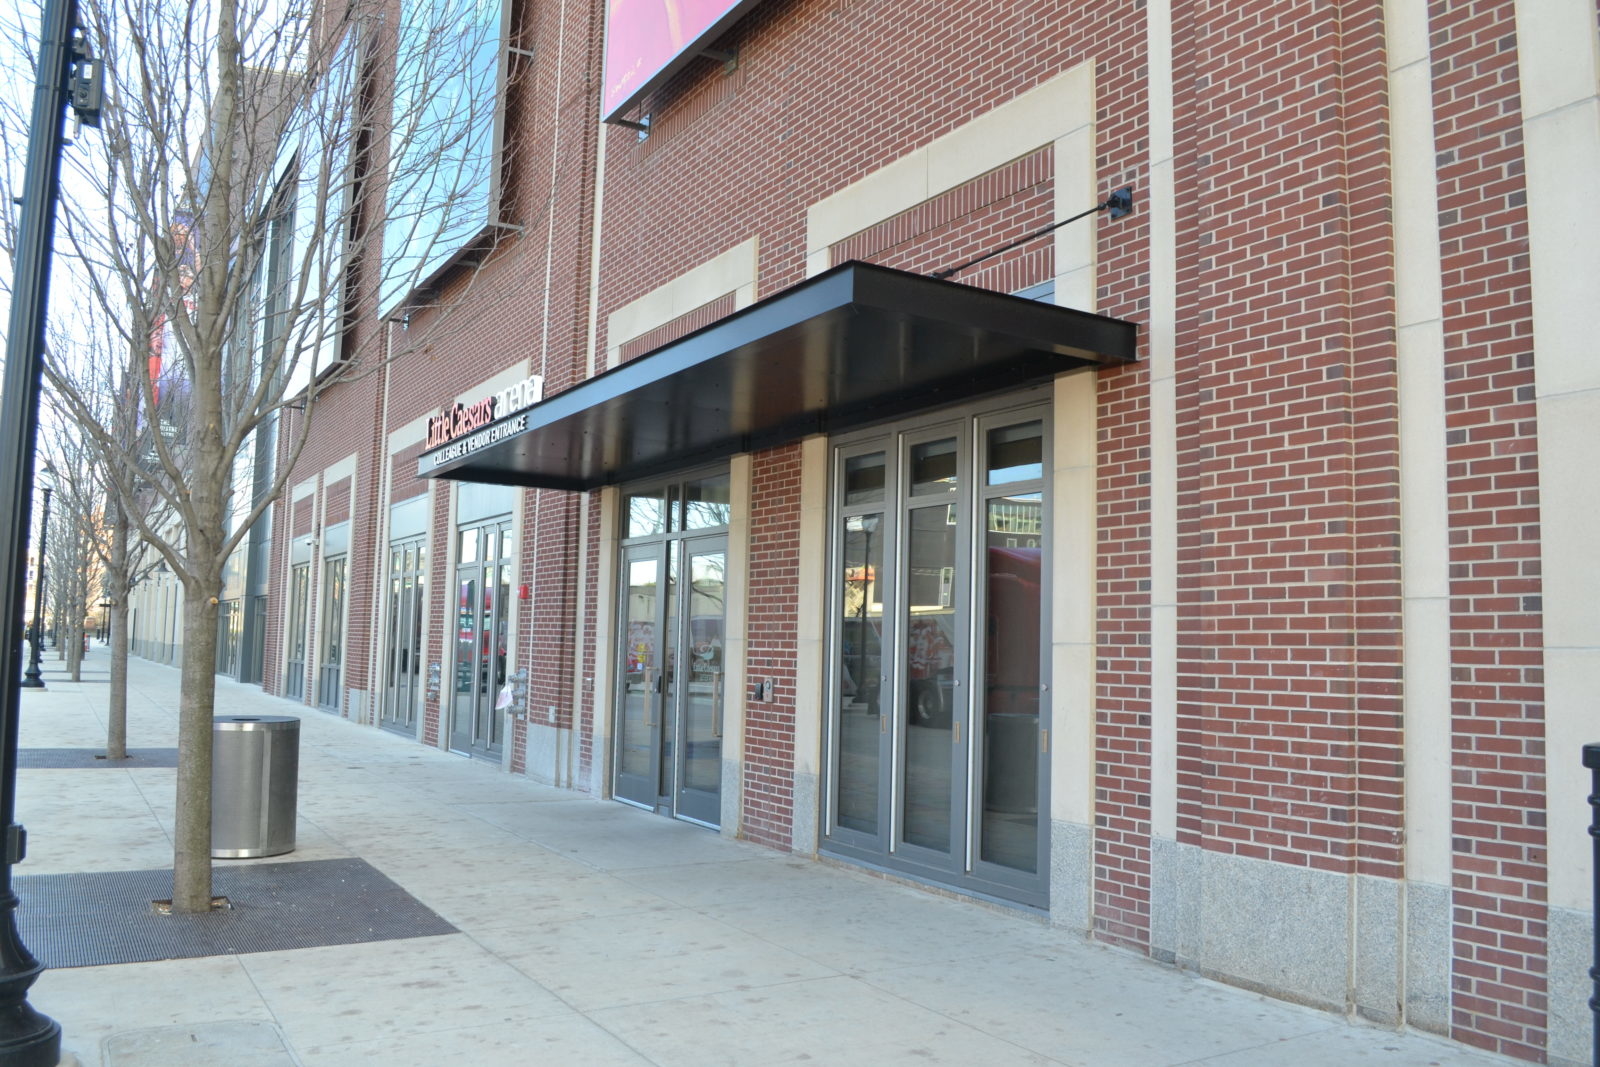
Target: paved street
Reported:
point(592, 933)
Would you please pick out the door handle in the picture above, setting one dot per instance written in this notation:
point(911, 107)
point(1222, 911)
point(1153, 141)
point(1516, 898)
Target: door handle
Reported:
point(716, 704)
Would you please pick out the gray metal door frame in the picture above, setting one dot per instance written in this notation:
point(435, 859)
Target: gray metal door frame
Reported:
point(330, 658)
point(670, 617)
point(294, 673)
point(407, 600)
point(914, 697)
point(482, 637)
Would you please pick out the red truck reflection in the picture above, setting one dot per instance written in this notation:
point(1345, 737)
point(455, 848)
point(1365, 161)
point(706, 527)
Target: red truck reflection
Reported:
point(1011, 643)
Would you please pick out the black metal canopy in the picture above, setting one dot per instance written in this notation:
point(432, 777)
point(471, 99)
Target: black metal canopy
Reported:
point(856, 345)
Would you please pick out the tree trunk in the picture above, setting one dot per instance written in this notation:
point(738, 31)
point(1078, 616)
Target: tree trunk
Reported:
point(191, 859)
point(76, 610)
point(117, 708)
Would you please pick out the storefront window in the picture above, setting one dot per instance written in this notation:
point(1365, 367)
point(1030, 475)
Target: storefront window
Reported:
point(1016, 453)
point(646, 512)
point(863, 479)
point(933, 466)
point(705, 503)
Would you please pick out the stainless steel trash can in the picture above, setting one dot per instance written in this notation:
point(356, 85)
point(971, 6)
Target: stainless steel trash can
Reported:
point(255, 779)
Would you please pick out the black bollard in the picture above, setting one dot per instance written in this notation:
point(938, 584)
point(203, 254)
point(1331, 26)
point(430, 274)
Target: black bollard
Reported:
point(1591, 760)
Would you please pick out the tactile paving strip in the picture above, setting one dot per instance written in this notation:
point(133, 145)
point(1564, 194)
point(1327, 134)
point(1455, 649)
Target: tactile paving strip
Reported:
point(89, 920)
point(71, 759)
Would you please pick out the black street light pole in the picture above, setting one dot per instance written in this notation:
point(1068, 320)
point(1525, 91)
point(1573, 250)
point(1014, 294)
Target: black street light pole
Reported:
point(1591, 760)
point(34, 678)
point(65, 74)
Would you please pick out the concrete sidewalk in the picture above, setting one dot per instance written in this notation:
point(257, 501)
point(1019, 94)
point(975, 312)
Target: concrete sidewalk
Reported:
point(593, 933)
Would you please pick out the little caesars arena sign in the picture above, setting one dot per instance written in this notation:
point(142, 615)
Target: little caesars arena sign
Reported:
point(462, 429)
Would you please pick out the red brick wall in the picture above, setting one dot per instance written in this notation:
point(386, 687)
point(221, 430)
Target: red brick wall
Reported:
point(441, 625)
point(1121, 902)
point(305, 516)
point(788, 130)
point(550, 569)
point(1493, 483)
point(992, 210)
point(1290, 725)
point(595, 615)
point(770, 628)
point(805, 130)
point(1288, 511)
point(403, 481)
point(681, 326)
point(336, 503)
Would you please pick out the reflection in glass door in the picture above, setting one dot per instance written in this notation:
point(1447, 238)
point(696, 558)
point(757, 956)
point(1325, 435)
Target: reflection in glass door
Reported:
point(483, 600)
point(936, 750)
point(670, 696)
point(931, 655)
point(698, 776)
point(229, 624)
point(294, 673)
point(330, 670)
point(402, 667)
point(639, 706)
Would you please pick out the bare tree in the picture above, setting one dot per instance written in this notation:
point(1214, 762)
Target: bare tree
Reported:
point(257, 166)
point(123, 559)
point(77, 570)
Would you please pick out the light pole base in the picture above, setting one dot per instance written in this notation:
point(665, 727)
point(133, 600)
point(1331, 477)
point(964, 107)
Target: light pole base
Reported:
point(28, 1039)
point(33, 677)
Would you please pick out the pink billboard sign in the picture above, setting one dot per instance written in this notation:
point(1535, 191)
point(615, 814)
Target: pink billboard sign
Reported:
point(648, 40)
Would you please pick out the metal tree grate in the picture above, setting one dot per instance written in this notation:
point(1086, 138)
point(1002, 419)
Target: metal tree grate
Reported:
point(72, 759)
point(90, 920)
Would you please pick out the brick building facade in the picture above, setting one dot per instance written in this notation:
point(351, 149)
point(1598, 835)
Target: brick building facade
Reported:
point(1239, 653)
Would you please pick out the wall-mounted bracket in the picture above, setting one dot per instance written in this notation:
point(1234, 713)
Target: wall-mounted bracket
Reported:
point(1120, 203)
point(729, 59)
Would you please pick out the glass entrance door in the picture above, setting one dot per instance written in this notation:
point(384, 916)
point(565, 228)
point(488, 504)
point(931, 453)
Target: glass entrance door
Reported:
point(669, 744)
point(670, 694)
point(294, 671)
point(937, 753)
point(330, 670)
point(402, 666)
point(697, 777)
point(483, 599)
point(639, 704)
point(931, 649)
